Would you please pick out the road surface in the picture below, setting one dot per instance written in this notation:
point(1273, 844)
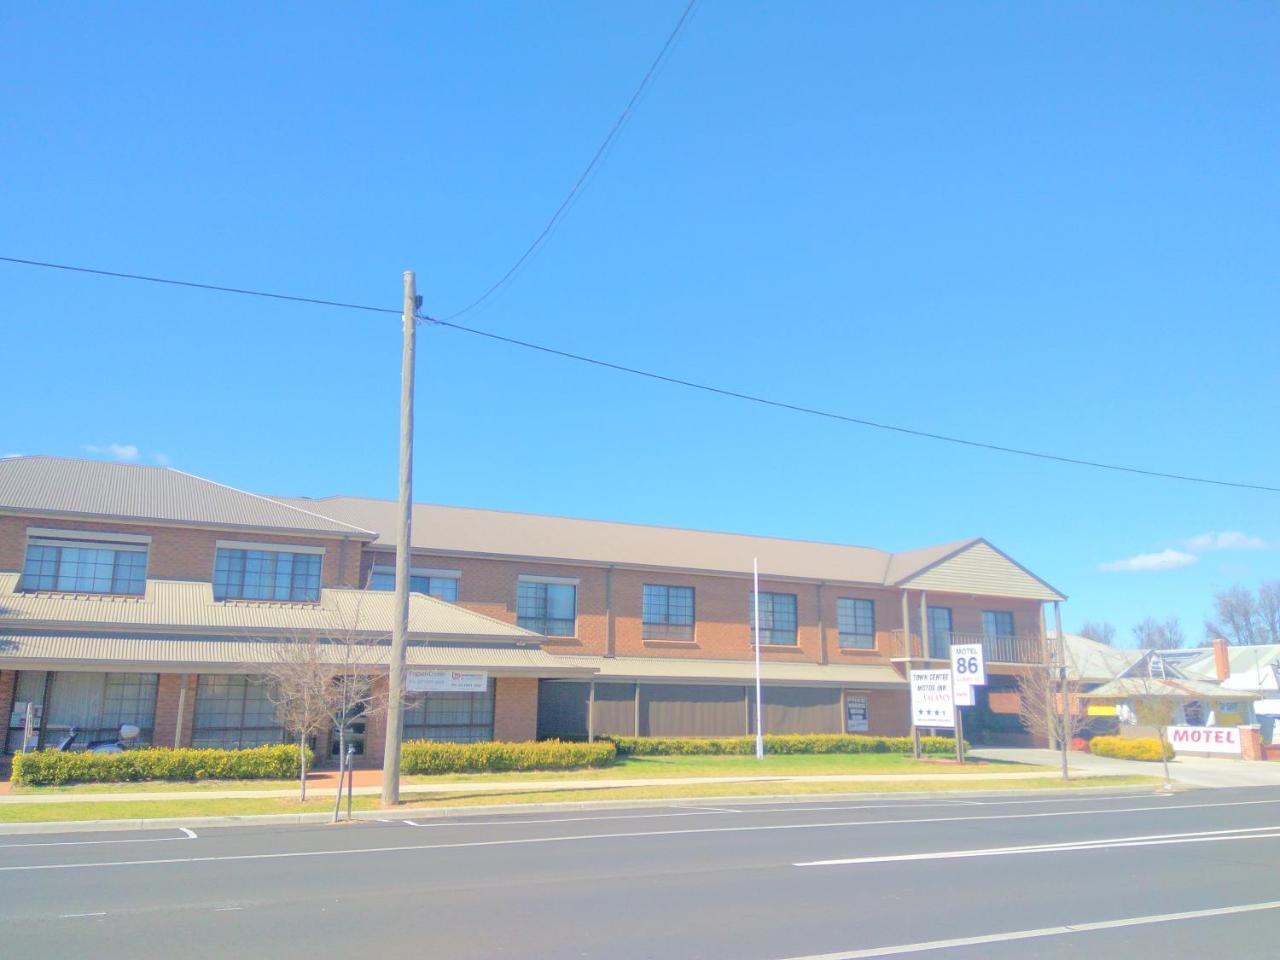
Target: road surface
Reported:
point(1194, 874)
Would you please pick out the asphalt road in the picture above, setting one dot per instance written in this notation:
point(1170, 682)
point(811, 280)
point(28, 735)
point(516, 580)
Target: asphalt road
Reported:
point(1024, 877)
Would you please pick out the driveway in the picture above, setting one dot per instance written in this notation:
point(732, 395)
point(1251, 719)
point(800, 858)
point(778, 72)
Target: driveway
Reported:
point(1185, 771)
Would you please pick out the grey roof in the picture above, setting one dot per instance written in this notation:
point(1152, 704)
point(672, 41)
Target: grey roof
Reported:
point(690, 669)
point(1093, 662)
point(1244, 659)
point(470, 531)
point(187, 606)
point(1176, 688)
point(94, 488)
point(168, 654)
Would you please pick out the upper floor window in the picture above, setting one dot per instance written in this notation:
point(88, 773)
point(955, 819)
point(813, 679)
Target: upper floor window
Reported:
point(85, 563)
point(442, 584)
point(259, 572)
point(940, 633)
point(546, 605)
point(778, 618)
point(667, 612)
point(856, 620)
point(997, 623)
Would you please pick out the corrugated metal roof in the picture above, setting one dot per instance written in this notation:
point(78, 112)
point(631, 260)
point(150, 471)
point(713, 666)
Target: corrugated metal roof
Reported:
point(743, 671)
point(1165, 687)
point(469, 531)
point(1095, 662)
point(186, 605)
point(123, 652)
point(128, 491)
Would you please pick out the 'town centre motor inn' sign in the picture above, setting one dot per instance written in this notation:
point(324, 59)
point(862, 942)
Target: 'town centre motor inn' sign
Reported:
point(1205, 739)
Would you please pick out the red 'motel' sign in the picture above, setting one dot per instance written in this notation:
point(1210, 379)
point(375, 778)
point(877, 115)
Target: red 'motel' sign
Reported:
point(1205, 739)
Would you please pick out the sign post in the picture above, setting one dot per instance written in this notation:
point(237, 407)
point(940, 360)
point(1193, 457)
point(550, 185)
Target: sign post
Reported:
point(969, 668)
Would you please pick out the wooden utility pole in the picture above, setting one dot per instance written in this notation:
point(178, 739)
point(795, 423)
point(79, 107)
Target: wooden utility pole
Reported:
point(400, 628)
point(1062, 687)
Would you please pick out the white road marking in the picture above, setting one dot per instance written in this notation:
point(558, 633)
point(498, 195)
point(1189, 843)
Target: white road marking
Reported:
point(89, 843)
point(191, 834)
point(927, 945)
point(524, 841)
point(710, 810)
point(226, 909)
point(1108, 843)
point(76, 916)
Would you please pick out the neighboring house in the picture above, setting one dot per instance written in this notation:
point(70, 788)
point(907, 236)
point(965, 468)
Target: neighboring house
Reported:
point(1254, 669)
point(144, 595)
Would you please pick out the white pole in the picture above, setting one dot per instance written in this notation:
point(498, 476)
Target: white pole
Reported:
point(755, 599)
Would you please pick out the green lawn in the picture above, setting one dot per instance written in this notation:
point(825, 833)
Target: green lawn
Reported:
point(135, 809)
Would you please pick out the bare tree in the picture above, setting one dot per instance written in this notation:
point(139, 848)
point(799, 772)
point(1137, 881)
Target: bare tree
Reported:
point(1153, 634)
point(324, 679)
point(1099, 632)
point(1048, 699)
point(1245, 618)
point(1152, 709)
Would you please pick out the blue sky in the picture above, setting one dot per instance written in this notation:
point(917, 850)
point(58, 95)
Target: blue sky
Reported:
point(1044, 226)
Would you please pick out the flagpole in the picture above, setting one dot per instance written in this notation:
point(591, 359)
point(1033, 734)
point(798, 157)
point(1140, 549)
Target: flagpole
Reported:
point(755, 599)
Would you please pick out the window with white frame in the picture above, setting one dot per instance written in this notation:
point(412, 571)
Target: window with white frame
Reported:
point(77, 562)
point(667, 612)
point(441, 584)
point(261, 572)
point(778, 618)
point(856, 622)
point(547, 606)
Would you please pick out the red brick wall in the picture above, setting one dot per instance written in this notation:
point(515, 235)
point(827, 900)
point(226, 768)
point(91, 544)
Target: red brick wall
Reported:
point(168, 696)
point(515, 709)
point(8, 683)
point(179, 553)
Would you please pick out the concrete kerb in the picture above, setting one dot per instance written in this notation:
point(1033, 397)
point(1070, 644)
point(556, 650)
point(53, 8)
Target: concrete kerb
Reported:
point(400, 814)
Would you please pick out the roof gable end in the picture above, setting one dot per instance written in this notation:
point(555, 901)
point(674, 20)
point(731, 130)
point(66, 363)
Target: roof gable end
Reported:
point(977, 567)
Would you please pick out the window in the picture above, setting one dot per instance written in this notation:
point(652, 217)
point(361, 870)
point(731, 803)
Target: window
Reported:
point(940, 633)
point(856, 620)
point(997, 623)
point(75, 564)
point(667, 612)
point(253, 574)
point(777, 618)
point(453, 717)
point(547, 607)
point(96, 704)
point(442, 584)
point(233, 713)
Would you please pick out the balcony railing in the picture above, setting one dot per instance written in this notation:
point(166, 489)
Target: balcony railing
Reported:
point(995, 649)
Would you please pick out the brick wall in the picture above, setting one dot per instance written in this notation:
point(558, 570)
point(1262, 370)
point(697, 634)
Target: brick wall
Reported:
point(168, 698)
point(8, 685)
point(182, 553)
point(515, 709)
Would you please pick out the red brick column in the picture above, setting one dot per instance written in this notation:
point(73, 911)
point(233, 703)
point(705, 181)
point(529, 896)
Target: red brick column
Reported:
point(375, 730)
point(168, 696)
point(1251, 743)
point(515, 708)
point(8, 686)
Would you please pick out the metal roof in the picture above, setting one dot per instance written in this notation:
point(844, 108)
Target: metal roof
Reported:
point(688, 669)
point(57, 486)
point(1165, 687)
point(188, 606)
point(169, 654)
point(1095, 662)
point(496, 533)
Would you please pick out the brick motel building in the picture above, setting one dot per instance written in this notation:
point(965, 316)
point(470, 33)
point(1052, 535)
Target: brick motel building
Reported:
point(144, 595)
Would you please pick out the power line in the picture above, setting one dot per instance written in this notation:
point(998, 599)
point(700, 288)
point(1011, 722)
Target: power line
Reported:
point(595, 160)
point(844, 418)
point(693, 385)
point(199, 286)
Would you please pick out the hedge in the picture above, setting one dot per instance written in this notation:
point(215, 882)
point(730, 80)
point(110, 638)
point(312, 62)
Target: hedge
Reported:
point(45, 767)
point(777, 743)
point(1128, 748)
point(427, 756)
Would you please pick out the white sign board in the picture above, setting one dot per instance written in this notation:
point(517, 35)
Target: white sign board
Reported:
point(964, 697)
point(447, 681)
point(967, 664)
point(1205, 739)
point(931, 704)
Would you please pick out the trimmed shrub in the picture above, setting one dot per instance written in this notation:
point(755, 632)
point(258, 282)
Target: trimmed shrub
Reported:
point(1126, 748)
point(777, 743)
point(46, 767)
point(429, 756)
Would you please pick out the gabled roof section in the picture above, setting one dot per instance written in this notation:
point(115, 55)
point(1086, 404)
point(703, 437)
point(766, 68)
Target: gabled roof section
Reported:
point(1177, 688)
point(976, 567)
point(1093, 662)
point(125, 491)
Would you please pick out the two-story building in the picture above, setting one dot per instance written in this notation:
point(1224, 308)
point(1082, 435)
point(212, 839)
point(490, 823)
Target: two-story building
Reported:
point(146, 595)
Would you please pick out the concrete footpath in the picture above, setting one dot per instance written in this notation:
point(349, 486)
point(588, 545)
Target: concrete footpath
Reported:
point(522, 786)
point(1186, 771)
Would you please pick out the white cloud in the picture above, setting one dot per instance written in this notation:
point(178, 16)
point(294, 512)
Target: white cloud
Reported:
point(161, 458)
point(1226, 540)
point(118, 451)
point(1164, 560)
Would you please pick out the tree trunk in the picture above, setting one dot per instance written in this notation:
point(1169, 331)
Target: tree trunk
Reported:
point(302, 767)
point(1164, 757)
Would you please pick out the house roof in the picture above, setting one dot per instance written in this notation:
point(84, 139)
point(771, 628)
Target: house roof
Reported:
point(1246, 662)
point(186, 606)
point(967, 566)
point(57, 486)
point(1093, 662)
point(169, 654)
point(689, 669)
point(1171, 687)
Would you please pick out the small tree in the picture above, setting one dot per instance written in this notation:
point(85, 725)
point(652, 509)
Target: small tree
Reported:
point(1153, 634)
point(1152, 709)
point(1048, 699)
